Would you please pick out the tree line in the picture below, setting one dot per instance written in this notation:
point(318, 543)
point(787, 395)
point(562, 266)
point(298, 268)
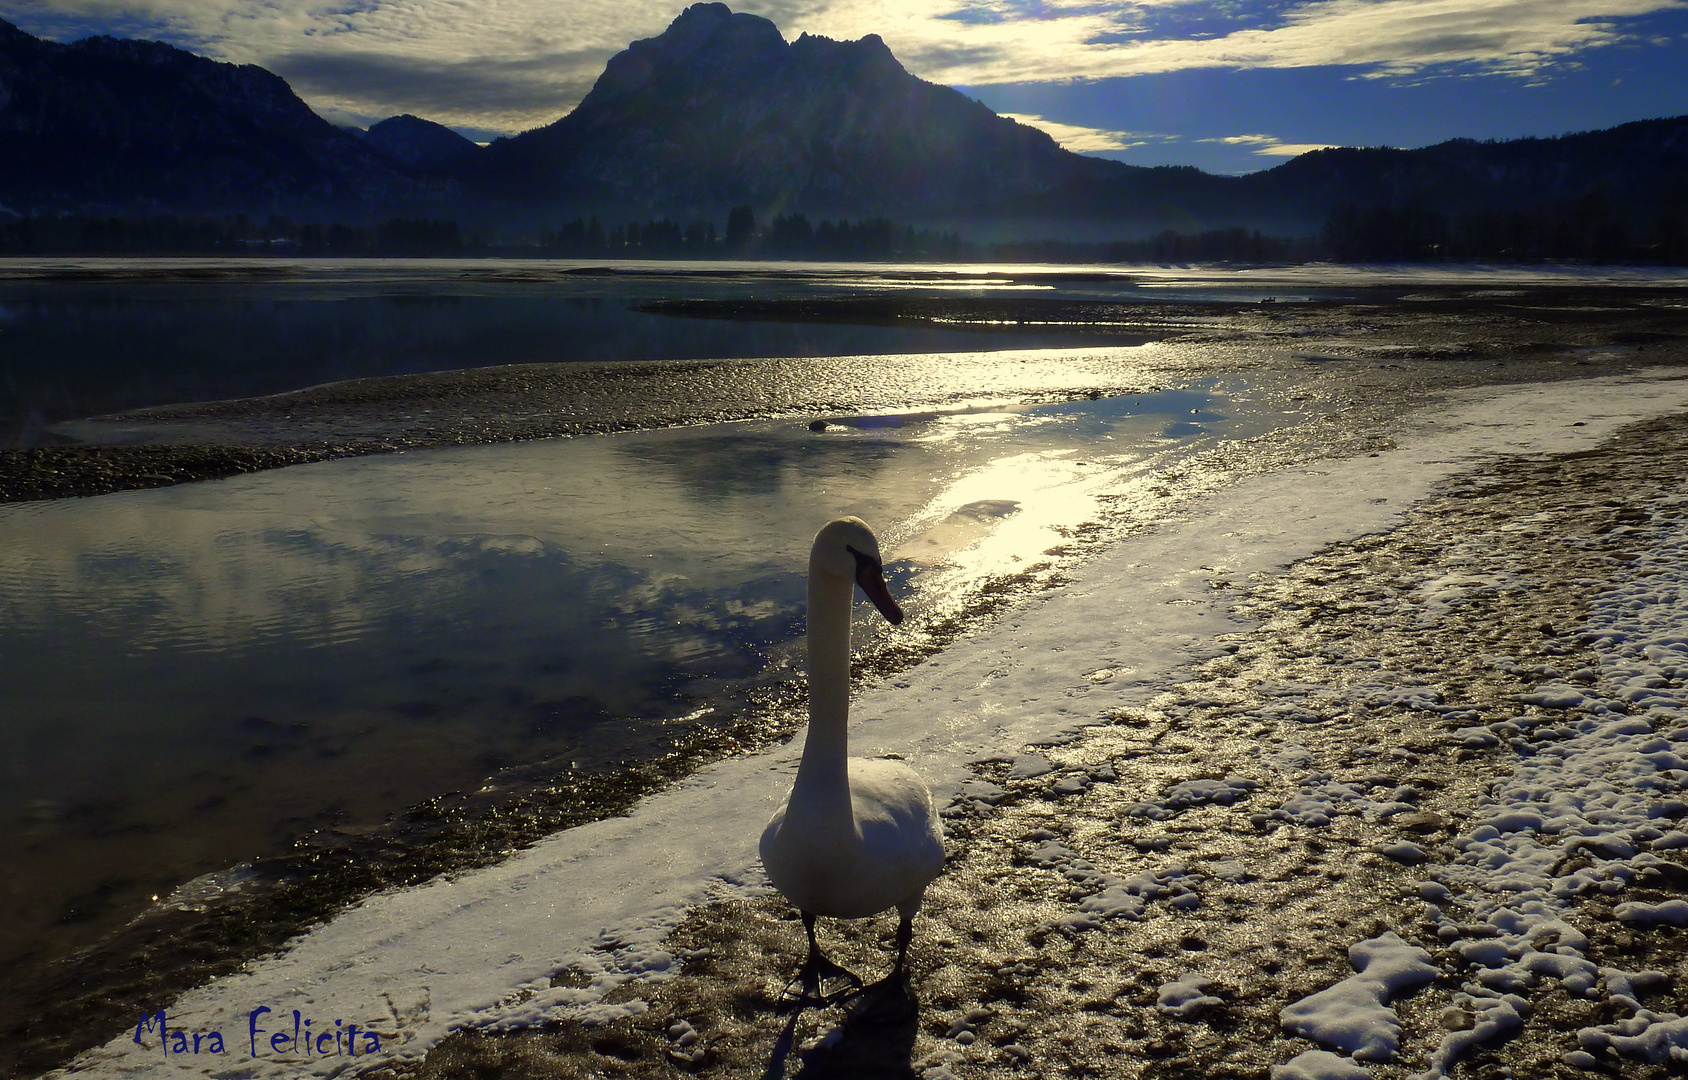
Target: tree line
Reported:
point(234, 234)
point(1595, 228)
point(787, 236)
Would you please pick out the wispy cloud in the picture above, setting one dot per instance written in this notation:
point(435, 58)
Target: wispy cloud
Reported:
point(1385, 37)
point(485, 94)
point(500, 65)
point(1084, 140)
point(511, 64)
point(1268, 145)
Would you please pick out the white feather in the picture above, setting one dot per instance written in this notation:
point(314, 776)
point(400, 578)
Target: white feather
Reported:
point(857, 836)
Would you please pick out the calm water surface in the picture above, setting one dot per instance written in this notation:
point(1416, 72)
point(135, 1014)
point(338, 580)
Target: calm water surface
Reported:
point(97, 336)
point(82, 337)
point(196, 674)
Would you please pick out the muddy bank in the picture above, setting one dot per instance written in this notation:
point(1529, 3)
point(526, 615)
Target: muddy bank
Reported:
point(60, 472)
point(1377, 344)
point(1016, 979)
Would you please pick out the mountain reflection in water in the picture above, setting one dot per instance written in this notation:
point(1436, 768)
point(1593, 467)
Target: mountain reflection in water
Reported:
point(196, 675)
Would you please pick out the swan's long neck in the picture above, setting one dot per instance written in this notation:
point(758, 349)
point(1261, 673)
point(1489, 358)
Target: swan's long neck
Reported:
point(823, 768)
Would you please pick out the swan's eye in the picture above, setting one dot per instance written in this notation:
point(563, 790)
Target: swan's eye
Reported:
point(865, 560)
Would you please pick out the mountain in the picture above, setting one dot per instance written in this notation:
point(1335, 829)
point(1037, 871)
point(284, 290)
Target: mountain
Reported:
point(721, 110)
point(420, 143)
point(116, 126)
point(1638, 164)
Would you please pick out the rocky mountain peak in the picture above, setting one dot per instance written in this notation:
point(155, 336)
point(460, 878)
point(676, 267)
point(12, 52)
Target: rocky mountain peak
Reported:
point(719, 110)
point(707, 42)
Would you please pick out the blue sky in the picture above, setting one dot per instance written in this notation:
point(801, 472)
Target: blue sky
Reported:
point(1229, 87)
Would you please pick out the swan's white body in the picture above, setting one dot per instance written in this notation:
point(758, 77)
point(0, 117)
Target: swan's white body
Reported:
point(857, 836)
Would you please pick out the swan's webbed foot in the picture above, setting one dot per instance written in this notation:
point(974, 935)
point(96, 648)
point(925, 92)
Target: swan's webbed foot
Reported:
point(819, 982)
point(891, 1000)
point(887, 1002)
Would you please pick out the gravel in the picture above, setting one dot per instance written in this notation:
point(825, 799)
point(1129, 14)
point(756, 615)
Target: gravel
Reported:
point(1059, 931)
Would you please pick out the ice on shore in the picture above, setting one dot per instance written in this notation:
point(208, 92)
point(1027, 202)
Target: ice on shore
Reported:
point(479, 951)
point(1597, 783)
point(1186, 995)
point(1194, 793)
point(1354, 1016)
point(1320, 1065)
point(1674, 912)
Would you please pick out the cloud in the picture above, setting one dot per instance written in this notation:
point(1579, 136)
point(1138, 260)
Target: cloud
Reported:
point(1269, 145)
point(499, 65)
point(378, 57)
point(1083, 140)
point(1515, 37)
point(488, 94)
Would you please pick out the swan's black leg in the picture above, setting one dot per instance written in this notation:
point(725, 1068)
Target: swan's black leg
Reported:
point(819, 981)
point(890, 1000)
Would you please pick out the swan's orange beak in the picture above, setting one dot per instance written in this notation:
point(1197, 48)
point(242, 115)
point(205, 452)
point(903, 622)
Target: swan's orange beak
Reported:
point(871, 577)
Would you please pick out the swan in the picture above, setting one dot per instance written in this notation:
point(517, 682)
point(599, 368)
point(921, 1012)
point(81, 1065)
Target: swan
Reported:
point(856, 836)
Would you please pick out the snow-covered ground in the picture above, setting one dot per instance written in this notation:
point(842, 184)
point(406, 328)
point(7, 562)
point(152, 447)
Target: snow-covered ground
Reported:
point(1599, 772)
point(1589, 801)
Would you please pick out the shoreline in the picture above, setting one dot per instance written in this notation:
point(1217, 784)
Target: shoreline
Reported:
point(1367, 377)
point(757, 971)
point(1412, 338)
point(1028, 964)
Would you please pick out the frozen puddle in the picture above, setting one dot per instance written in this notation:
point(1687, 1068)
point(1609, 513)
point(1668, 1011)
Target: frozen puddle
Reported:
point(479, 951)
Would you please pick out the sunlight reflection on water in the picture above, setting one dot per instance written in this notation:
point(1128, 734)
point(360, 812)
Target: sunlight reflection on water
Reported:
point(217, 667)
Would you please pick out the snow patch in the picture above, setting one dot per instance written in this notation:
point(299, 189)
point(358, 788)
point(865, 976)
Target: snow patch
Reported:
point(1320, 1065)
point(1353, 1015)
point(1185, 995)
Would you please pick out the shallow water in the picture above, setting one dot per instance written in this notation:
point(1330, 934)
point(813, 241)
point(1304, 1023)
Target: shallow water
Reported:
point(88, 336)
point(198, 674)
point(83, 337)
point(103, 336)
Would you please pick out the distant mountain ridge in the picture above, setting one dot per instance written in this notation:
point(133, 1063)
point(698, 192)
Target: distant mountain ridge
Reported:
point(1640, 162)
point(113, 125)
point(420, 143)
point(720, 111)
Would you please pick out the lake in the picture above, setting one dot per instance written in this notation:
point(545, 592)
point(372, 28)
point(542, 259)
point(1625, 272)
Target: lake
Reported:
point(86, 337)
point(198, 676)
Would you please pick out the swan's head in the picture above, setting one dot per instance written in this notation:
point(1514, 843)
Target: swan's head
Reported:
point(847, 547)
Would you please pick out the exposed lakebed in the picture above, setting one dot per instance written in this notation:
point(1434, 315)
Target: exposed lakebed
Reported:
point(299, 654)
